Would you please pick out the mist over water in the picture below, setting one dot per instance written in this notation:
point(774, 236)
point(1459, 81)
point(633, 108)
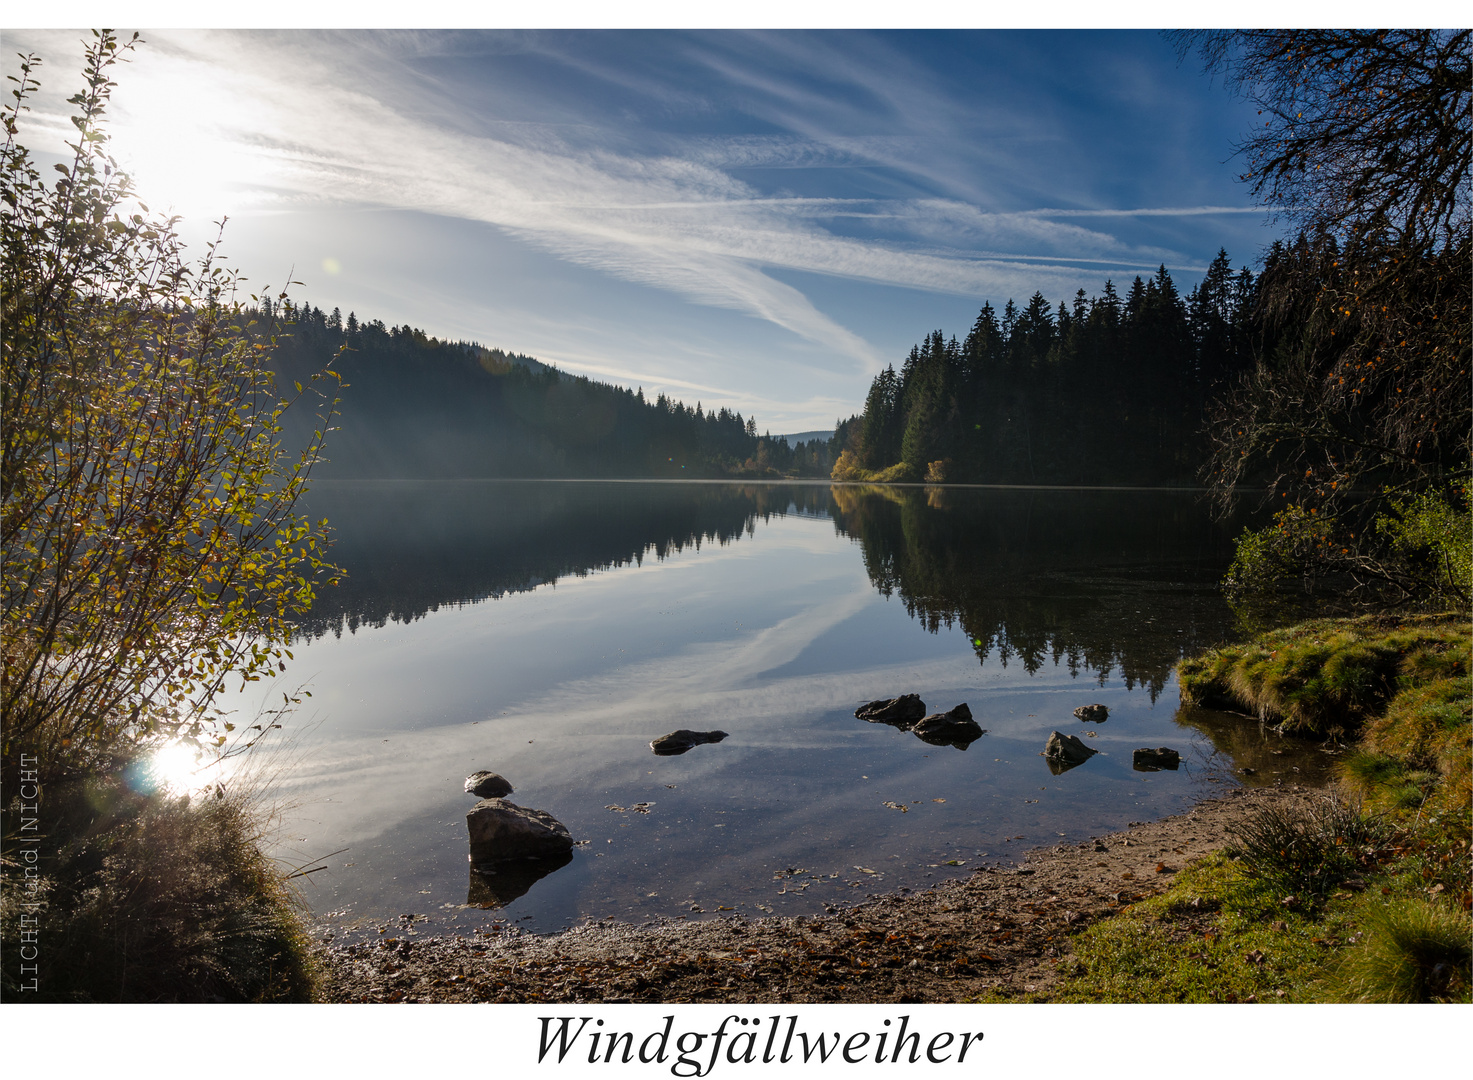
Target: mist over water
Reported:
point(548, 631)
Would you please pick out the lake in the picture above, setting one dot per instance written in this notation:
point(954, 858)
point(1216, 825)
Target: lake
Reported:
point(548, 631)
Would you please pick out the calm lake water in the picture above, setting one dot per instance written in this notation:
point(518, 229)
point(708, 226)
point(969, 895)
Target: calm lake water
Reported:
point(548, 631)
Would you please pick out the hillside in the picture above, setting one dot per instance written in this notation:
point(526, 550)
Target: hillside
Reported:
point(413, 406)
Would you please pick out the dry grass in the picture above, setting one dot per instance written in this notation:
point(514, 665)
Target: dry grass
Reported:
point(151, 898)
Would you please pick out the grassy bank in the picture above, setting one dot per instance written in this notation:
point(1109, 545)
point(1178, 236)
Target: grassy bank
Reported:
point(1364, 899)
point(150, 898)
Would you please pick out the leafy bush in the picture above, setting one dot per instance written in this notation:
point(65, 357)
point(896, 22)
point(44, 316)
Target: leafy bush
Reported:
point(1434, 535)
point(1420, 551)
point(150, 543)
point(1296, 545)
point(848, 469)
point(151, 549)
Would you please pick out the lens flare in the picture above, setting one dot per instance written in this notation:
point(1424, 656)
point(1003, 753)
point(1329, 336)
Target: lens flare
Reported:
point(175, 768)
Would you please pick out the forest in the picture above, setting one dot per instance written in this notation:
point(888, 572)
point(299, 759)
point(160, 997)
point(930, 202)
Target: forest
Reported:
point(1107, 389)
point(411, 406)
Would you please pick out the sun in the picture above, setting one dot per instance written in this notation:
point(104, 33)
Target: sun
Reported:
point(176, 768)
point(194, 141)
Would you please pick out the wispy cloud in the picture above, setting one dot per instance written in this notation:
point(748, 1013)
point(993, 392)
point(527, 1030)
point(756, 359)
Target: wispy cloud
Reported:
point(1157, 211)
point(303, 120)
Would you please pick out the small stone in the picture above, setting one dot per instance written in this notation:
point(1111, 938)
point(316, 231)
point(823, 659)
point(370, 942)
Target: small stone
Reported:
point(1067, 749)
point(1092, 714)
point(678, 742)
point(953, 728)
point(500, 830)
point(902, 712)
point(487, 785)
point(1148, 760)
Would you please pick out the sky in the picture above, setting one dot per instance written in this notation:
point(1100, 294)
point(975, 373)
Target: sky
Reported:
point(760, 220)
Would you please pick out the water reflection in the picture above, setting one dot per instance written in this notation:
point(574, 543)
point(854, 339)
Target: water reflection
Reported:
point(493, 887)
point(410, 548)
point(1100, 581)
point(1256, 753)
point(481, 633)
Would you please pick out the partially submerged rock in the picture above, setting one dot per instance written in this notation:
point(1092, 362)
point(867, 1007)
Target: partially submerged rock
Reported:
point(1148, 760)
point(500, 831)
point(902, 712)
point(953, 728)
point(678, 742)
point(1092, 714)
point(1067, 749)
point(487, 785)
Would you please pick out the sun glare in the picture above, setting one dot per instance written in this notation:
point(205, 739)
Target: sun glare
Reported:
point(173, 768)
point(194, 142)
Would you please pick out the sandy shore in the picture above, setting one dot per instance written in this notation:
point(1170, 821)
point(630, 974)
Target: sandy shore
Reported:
point(1002, 931)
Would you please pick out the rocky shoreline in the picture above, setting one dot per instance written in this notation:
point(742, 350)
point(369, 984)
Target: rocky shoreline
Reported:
point(1001, 932)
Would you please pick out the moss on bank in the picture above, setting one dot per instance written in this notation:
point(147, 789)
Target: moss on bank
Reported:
point(1367, 900)
point(151, 898)
point(1329, 676)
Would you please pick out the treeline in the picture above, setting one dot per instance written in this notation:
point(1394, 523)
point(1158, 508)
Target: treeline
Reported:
point(1106, 389)
point(414, 406)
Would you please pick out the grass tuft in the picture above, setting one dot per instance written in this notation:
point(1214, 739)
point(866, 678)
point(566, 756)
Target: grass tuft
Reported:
point(1328, 677)
point(1415, 951)
point(1306, 855)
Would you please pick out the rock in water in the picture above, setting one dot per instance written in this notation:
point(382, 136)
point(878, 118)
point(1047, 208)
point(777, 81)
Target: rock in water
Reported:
point(500, 830)
point(1067, 749)
point(954, 728)
point(1148, 760)
point(1092, 714)
point(902, 711)
point(487, 785)
point(678, 742)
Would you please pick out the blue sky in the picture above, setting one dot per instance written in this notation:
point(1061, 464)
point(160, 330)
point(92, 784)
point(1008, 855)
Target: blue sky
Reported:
point(760, 220)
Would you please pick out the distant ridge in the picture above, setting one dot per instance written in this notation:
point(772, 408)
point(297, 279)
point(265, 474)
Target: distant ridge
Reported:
point(806, 436)
point(410, 406)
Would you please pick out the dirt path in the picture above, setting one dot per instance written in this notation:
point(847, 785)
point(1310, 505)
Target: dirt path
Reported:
point(1002, 930)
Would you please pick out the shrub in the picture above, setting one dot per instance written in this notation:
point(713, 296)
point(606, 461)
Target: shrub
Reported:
point(1434, 535)
point(1294, 546)
point(847, 469)
point(900, 473)
point(150, 542)
point(151, 548)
